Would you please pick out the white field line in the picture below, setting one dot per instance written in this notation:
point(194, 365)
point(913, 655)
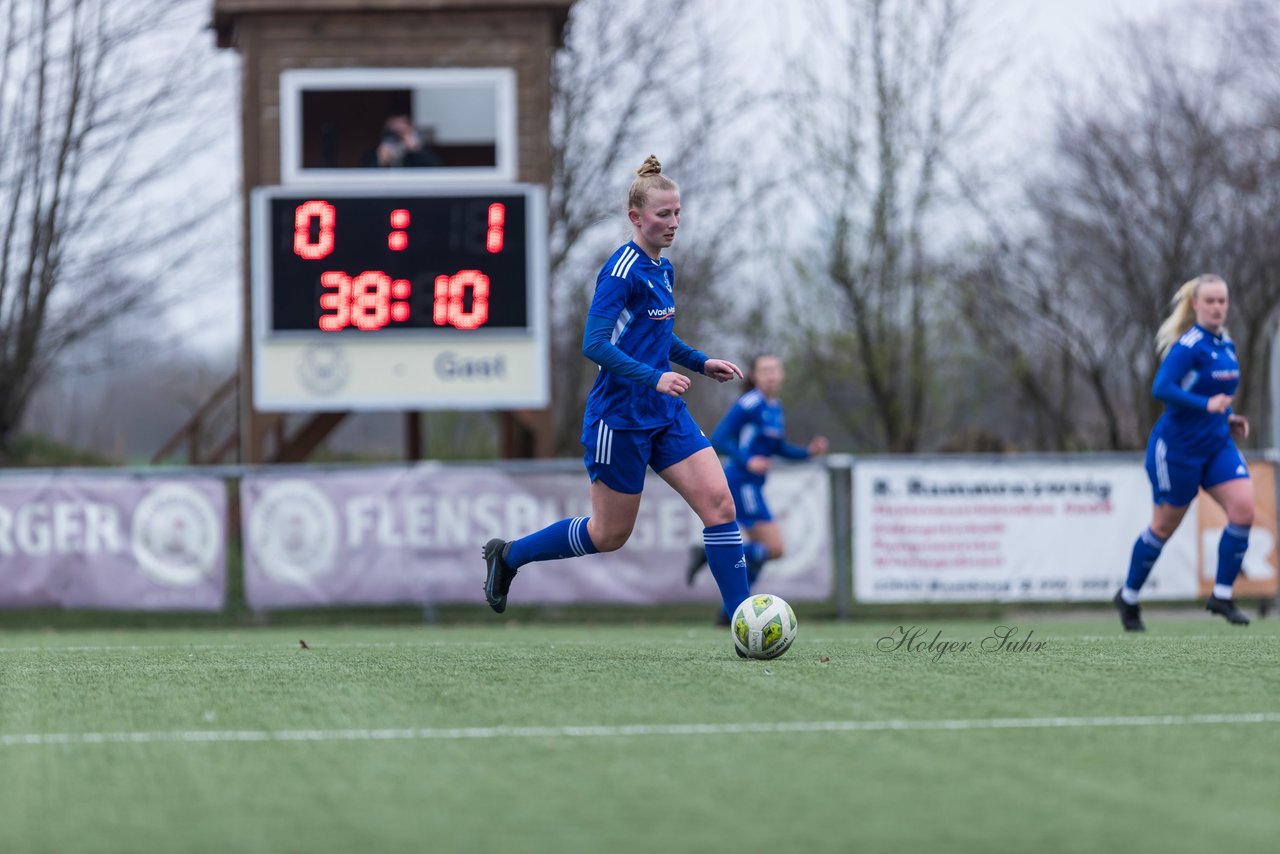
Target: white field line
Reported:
point(802, 641)
point(621, 731)
point(1119, 636)
point(199, 647)
point(123, 648)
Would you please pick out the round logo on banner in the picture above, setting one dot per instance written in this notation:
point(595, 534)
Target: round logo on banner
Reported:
point(293, 531)
point(323, 368)
point(175, 534)
point(803, 507)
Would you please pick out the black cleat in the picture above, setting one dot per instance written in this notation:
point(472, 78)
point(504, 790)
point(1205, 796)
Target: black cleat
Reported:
point(697, 560)
point(1226, 608)
point(498, 579)
point(1130, 615)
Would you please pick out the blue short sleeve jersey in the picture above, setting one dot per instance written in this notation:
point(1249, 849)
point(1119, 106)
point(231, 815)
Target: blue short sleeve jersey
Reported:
point(1198, 366)
point(636, 293)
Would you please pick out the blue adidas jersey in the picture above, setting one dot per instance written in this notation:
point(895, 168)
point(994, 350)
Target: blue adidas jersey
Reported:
point(1198, 366)
point(754, 427)
point(637, 294)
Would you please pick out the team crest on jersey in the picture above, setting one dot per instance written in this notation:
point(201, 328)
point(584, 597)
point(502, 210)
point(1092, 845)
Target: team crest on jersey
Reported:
point(666, 280)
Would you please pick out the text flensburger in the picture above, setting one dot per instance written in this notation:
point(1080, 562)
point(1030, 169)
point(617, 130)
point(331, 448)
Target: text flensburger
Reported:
point(414, 535)
point(117, 543)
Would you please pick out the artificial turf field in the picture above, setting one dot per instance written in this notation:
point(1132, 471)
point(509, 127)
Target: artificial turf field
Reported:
point(618, 738)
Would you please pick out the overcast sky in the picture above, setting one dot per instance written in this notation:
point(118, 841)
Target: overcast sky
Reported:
point(1059, 37)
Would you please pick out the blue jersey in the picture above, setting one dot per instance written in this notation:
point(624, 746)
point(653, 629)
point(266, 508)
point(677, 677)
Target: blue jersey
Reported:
point(636, 294)
point(754, 427)
point(1198, 366)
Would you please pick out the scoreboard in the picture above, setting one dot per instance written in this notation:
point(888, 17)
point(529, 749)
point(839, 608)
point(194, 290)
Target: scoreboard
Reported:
point(369, 299)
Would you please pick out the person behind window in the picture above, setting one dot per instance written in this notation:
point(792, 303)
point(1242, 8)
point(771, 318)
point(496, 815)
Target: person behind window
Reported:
point(401, 145)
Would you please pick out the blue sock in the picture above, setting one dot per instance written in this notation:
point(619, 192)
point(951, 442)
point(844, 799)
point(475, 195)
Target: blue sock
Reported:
point(1231, 549)
point(727, 563)
point(1145, 552)
point(756, 554)
point(566, 538)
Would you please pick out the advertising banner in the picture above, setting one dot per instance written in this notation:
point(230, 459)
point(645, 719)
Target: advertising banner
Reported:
point(938, 531)
point(112, 543)
point(1257, 578)
point(414, 535)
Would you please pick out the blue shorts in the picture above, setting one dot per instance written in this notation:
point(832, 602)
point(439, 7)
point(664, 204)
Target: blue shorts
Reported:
point(748, 497)
point(1176, 482)
point(618, 458)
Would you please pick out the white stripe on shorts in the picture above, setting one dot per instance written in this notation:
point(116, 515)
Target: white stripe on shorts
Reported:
point(604, 445)
point(1162, 466)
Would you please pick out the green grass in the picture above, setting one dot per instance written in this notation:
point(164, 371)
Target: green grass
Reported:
point(34, 450)
point(1105, 785)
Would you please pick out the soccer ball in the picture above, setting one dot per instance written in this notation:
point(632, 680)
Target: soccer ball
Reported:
point(763, 626)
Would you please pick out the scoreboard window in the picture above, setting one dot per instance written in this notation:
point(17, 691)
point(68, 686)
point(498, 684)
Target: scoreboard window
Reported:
point(357, 125)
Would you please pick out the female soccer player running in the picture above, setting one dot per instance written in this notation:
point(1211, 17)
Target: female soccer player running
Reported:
point(750, 433)
point(634, 416)
point(1191, 444)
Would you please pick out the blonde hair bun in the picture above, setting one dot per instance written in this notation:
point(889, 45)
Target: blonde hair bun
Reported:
point(648, 177)
point(649, 167)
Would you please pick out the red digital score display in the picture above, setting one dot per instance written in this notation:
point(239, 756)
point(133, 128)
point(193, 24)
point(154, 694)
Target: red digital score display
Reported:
point(360, 265)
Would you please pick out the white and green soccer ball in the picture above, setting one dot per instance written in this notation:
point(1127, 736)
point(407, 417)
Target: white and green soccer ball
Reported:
point(763, 626)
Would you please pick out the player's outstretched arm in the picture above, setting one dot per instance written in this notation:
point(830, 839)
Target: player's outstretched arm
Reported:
point(696, 360)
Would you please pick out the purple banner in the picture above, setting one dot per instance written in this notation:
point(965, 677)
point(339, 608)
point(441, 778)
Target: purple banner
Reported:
point(414, 535)
point(112, 543)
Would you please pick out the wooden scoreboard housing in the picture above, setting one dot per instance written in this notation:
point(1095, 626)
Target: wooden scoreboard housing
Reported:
point(396, 155)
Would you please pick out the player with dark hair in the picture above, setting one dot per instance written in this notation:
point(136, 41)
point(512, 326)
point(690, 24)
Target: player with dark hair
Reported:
point(1191, 446)
point(752, 432)
point(635, 418)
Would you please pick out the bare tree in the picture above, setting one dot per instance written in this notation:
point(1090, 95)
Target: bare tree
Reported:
point(1251, 29)
point(620, 92)
point(876, 123)
point(1162, 173)
point(96, 104)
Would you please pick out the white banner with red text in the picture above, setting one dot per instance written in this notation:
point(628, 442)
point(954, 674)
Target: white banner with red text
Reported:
point(929, 530)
